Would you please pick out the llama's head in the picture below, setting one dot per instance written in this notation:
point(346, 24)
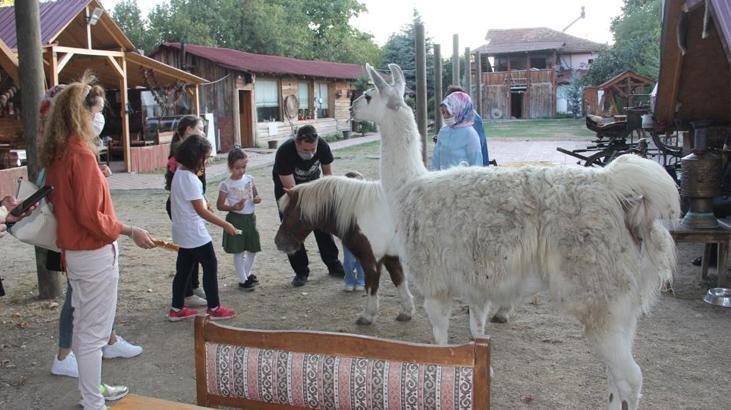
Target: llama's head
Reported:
point(375, 103)
point(294, 229)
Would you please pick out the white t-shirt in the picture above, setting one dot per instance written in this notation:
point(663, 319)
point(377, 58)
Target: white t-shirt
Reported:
point(238, 189)
point(189, 229)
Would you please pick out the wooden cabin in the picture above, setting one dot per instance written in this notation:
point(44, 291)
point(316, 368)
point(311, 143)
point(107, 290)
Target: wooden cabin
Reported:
point(77, 35)
point(247, 92)
point(695, 76)
point(531, 71)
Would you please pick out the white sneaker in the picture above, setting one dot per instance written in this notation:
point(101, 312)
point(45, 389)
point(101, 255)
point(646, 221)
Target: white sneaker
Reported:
point(195, 300)
point(199, 292)
point(66, 367)
point(349, 288)
point(122, 348)
point(359, 288)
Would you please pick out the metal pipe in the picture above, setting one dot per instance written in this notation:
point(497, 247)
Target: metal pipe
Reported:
point(455, 60)
point(437, 88)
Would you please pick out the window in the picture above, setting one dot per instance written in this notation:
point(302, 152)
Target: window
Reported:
point(321, 97)
point(538, 62)
point(303, 95)
point(267, 100)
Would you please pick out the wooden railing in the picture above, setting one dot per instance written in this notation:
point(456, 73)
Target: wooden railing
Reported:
point(518, 77)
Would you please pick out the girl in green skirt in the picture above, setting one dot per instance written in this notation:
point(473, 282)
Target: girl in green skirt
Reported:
point(238, 195)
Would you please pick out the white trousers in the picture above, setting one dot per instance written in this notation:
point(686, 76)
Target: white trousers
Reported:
point(243, 262)
point(93, 276)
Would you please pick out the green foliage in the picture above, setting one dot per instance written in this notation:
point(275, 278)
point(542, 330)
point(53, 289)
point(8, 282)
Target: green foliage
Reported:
point(636, 43)
point(308, 29)
point(573, 96)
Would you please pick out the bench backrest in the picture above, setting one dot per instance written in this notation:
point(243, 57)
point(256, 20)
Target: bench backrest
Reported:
point(259, 369)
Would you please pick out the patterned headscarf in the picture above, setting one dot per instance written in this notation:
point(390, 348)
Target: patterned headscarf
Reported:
point(45, 106)
point(459, 104)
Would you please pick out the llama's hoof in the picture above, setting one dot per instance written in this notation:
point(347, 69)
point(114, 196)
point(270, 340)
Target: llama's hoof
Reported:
point(499, 319)
point(403, 317)
point(363, 321)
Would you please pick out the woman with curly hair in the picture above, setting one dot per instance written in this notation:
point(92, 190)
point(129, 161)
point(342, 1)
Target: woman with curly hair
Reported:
point(87, 230)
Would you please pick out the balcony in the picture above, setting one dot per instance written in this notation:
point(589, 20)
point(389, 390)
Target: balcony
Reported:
point(518, 78)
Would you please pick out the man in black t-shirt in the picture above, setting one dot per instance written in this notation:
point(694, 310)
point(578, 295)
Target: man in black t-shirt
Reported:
point(299, 160)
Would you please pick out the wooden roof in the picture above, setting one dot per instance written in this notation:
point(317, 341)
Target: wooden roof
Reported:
point(64, 22)
point(696, 85)
point(535, 39)
point(635, 79)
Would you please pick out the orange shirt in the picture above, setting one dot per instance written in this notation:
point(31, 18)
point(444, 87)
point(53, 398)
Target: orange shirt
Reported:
point(81, 200)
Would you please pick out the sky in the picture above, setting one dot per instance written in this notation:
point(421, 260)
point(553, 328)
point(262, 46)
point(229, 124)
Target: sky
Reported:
point(471, 19)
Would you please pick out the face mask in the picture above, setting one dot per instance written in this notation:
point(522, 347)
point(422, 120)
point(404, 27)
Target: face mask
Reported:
point(98, 123)
point(306, 155)
point(449, 122)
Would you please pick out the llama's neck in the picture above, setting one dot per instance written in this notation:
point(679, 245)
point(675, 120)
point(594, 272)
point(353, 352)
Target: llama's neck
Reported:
point(400, 149)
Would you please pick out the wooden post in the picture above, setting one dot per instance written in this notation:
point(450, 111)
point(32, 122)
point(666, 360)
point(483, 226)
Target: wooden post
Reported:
point(53, 67)
point(468, 71)
point(421, 101)
point(88, 27)
point(124, 115)
point(30, 70)
point(478, 84)
point(196, 101)
point(455, 60)
point(437, 88)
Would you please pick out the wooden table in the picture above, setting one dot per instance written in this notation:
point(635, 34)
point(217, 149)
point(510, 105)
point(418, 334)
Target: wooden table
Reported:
point(720, 235)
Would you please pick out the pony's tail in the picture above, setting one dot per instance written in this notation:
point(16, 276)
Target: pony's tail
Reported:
point(647, 194)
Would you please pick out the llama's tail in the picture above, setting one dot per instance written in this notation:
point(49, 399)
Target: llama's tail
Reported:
point(647, 194)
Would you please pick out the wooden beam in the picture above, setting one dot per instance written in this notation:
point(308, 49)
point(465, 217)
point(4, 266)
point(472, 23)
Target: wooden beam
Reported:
point(125, 118)
point(89, 52)
point(670, 64)
point(9, 62)
point(88, 27)
point(55, 67)
point(116, 66)
point(196, 101)
point(61, 63)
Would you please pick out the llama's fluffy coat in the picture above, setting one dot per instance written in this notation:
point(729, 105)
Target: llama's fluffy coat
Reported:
point(590, 237)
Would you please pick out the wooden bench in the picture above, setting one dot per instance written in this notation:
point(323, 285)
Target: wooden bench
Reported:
point(257, 369)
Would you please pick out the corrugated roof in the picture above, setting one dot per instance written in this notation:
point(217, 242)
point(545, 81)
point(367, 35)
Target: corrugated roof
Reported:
point(260, 63)
point(55, 15)
point(520, 39)
point(721, 10)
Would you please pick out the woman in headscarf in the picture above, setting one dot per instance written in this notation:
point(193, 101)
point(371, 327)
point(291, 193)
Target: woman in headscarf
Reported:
point(458, 143)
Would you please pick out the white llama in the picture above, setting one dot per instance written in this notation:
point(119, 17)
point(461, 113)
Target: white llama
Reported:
point(589, 237)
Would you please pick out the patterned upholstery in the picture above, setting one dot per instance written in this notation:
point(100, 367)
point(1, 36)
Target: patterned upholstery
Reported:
point(333, 382)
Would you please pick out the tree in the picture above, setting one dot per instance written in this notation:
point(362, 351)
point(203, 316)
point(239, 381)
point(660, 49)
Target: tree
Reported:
point(401, 49)
point(129, 18)
point(636, 43)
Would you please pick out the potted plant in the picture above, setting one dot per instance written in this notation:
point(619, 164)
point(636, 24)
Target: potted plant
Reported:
point(346, 134)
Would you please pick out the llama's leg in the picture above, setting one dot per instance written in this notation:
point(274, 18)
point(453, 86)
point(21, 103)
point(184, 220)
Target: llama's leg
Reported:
point(502, 315)
point(372, 279)
point(478, 317)
point(438, 309)
point(611, 337)
point(395, 270)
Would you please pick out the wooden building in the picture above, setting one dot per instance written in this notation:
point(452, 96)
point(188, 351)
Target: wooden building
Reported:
point(626, 89)
point(77, 35)
point(247, 92)
point(695, 76)
point(530, 71)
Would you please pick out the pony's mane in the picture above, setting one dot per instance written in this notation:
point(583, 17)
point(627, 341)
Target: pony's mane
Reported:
point(345, 198)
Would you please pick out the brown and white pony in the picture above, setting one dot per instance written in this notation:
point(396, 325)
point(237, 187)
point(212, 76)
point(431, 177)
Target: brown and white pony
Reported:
point(354, 211)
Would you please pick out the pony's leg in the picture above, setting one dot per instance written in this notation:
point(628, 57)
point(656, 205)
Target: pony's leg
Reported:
point(502, 315)
point(611, 337)
point(395, 270)
point(478, 317)
point(372, 279)
point(438, 309)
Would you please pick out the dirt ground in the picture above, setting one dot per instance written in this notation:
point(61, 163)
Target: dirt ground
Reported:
point(540, 358)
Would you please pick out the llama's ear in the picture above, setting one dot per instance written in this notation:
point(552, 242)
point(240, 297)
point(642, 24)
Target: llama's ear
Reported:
point(397, 75)
point(376, 78)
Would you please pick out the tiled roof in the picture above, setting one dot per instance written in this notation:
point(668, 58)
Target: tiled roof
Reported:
point(534, 39)
point(260, 63)
point(55, 15)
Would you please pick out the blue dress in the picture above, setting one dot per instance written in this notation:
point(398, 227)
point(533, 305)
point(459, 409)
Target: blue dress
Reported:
point(480, 128)
point(457, 146)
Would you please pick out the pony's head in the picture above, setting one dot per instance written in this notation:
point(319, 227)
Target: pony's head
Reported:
point(375, 103)
point(294, 229)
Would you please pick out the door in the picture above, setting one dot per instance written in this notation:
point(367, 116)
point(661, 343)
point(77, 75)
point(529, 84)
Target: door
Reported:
point(516, 105)
point(246, 119)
